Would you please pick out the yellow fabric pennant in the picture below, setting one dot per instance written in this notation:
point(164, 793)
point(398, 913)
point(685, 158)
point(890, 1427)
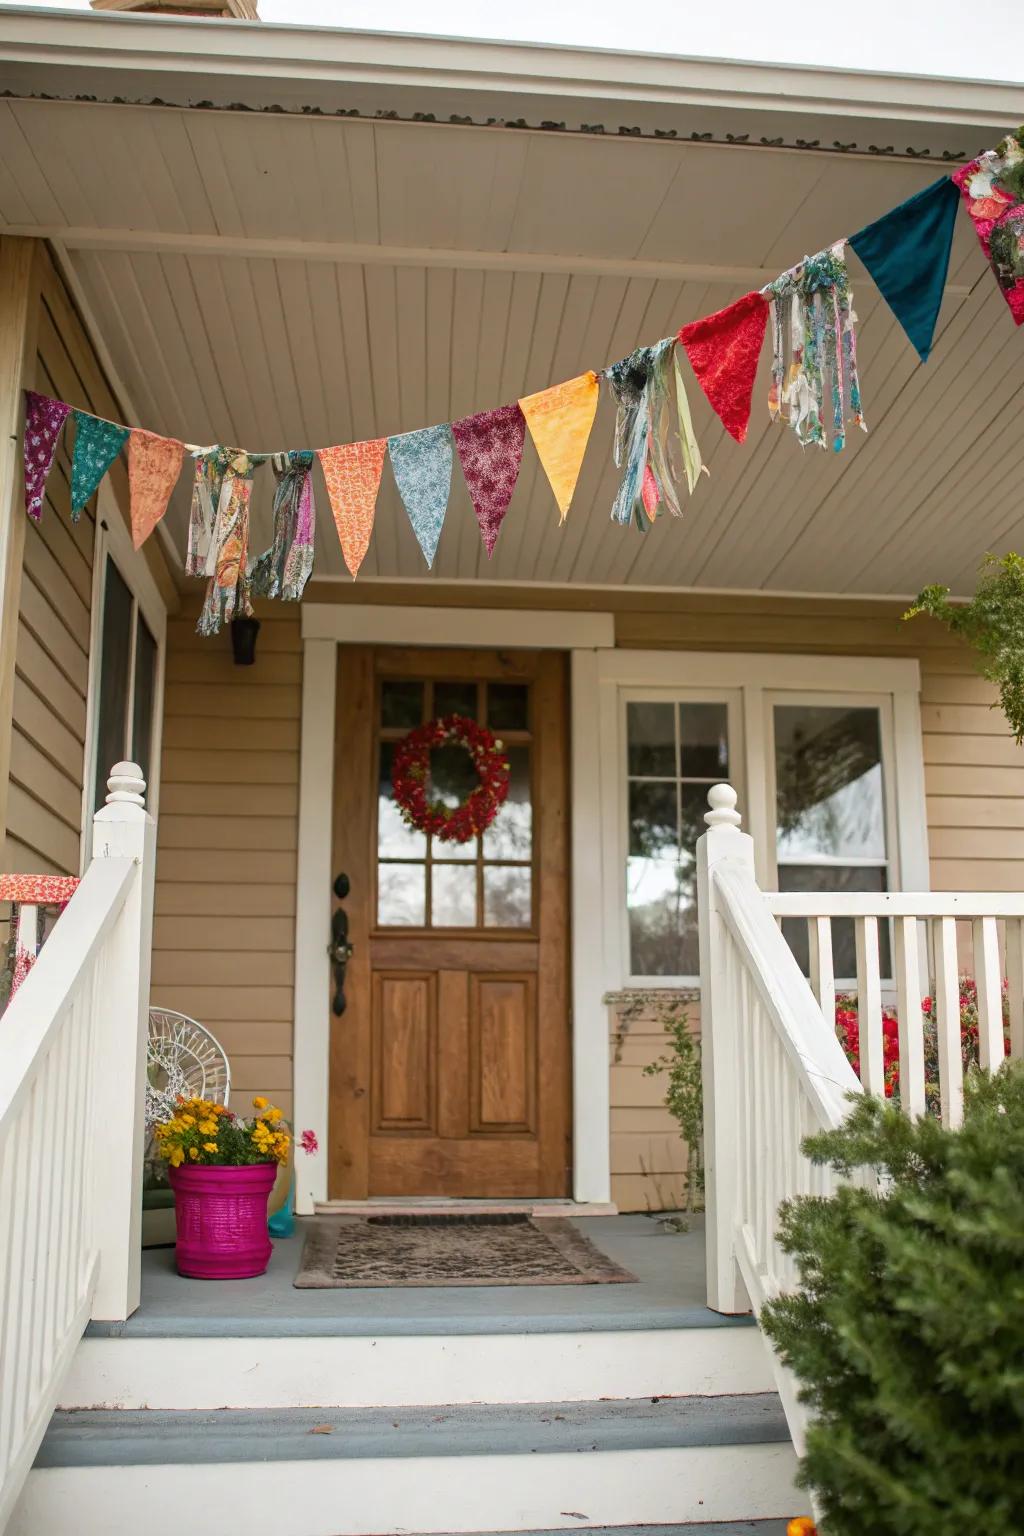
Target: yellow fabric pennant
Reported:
point(560, 420)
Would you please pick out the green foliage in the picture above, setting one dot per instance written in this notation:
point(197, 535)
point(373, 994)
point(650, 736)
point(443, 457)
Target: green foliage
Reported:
point(993, 623)
point(908, 1337)
point(684, 1094)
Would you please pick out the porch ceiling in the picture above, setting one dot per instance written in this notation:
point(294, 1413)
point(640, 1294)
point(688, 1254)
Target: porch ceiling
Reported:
point(280, 280)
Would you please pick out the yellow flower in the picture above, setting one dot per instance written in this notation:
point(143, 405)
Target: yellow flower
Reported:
point(208, 1127)
point(188, 1119)
point(259, 1102)
point(273, 1115)
point(177, 1157)
point(209, 1146)
point(193, 1153)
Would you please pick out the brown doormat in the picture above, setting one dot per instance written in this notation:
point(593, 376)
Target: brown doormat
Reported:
point(452, 1250)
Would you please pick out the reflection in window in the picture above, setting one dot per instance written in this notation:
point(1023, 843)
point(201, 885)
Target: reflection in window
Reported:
point(674, 752)
point(401, 895)
point(507, 897)
point(510, 835)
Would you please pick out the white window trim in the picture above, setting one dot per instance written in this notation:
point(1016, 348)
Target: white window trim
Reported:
point(113, 539)
point(759, 680)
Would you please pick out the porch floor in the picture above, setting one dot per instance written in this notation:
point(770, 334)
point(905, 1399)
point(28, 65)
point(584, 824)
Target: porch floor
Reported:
point(669, 1293)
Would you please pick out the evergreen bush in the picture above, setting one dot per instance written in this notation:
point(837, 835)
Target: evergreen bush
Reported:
point(908, 1336)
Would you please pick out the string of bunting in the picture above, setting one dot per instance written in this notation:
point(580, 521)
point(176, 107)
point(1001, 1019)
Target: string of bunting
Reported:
point(815, 388)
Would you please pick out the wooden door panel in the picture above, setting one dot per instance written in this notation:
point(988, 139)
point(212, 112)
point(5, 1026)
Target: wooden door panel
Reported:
point(502, 1054)
point(402, 1067)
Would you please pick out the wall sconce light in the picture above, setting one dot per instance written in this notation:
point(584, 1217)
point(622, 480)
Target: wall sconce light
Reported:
point(243, 640)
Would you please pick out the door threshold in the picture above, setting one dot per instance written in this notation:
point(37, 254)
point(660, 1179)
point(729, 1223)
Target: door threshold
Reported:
point(394, 1205)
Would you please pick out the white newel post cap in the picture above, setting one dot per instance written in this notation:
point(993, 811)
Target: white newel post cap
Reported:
point(723, 812)
point(126, 785)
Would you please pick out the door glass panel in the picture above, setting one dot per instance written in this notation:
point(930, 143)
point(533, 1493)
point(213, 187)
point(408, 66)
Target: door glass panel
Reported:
point(455, 699)
point(507, 896)
point(395, 840)
point(401, 895)
point(510, 835)
point(115, 665)
point(651, 736)
point(144, 696)
point(703, 741)
point(401, 704)
point(508, 706)
point(453, 895)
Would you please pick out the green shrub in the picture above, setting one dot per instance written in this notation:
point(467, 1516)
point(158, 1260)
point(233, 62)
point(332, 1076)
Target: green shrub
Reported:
point(908, 1337)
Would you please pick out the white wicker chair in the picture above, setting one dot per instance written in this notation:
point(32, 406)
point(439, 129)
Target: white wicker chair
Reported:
point(183, 1058)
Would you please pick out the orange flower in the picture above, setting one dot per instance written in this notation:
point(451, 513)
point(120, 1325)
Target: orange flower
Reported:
point(803, 1525)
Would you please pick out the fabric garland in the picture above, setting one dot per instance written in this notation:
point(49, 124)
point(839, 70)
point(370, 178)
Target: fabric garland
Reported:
point(992, 186)
point(283, 570)
point(44, 422)
point(219, 533)
point(154, 464)
point(422, 464)
point(490, 449)
point(97, 445)
point(560, 420)
point(813, 306)
point(724, 349)
point(907, 254)
point(653, 414)
point(353, 472)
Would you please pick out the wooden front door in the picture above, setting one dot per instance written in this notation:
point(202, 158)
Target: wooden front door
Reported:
point(450, 1064)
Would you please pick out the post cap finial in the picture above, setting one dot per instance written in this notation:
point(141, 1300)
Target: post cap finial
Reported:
point(126, 785)
point(723, 812)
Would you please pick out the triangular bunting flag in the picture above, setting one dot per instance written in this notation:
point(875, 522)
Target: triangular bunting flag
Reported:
point(993, 189)
point(97, 445)
point(724, 349)
point(490, 449)
point(422, 462)
point(560, 419)
point(907, 255)
point(154, 464)
point(44, 419)
point(352, 472)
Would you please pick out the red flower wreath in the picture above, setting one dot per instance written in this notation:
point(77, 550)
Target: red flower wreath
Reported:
point(410, 771)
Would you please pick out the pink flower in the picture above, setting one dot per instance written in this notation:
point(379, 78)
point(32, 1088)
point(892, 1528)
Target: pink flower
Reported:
point(309, 1143)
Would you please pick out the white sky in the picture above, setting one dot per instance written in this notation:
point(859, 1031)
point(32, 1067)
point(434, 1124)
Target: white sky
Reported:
point(930, 37)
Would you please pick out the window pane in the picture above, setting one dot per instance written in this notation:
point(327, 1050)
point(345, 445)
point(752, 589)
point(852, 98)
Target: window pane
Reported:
point(507, 896)
point(661, 898)
point(653, 828)
point(510, 835)
point(145, 693)
point(401, 704)
point(704, 741)
point(508, 707)
point(455, 699)
point(394, 838)
point(651, 737)
point(833, 877)
point(693, 802)
point(401, 895)
point(453, 895)
point(828, 767)
point(452, 777)
point(115, 659)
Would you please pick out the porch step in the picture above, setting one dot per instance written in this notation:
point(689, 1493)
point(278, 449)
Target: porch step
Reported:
point(527, 1467)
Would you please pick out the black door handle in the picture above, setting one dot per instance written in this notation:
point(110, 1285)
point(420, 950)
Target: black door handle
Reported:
point(339, 949)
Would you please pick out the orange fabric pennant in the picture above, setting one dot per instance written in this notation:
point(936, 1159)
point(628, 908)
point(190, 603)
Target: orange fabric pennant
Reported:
point(560, 420)
point(353, 472)
point(154, 464)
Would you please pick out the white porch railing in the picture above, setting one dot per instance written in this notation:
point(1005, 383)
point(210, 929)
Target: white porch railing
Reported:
point(72, 1075)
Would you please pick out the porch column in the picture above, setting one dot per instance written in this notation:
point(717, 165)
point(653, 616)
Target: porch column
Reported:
point(19, 312)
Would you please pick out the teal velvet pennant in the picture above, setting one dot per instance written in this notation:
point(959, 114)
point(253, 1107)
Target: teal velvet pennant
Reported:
point(422, 462)
point(907, 255)
point(97, 445)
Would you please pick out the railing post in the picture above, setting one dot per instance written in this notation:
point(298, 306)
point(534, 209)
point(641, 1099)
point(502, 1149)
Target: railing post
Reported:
point(723, 841)
point(122, 830)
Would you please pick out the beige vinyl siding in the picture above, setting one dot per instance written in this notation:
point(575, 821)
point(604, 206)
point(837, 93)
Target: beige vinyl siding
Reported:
point(224, 928)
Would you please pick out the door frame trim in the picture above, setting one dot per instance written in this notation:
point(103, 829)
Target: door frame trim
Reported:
point(582, 636)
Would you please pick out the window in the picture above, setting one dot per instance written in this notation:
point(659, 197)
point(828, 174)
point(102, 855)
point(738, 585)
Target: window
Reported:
point(126, 687)
point(488, 882)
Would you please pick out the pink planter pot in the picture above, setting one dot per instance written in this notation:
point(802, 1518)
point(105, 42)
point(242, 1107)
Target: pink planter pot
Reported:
point(221, 1216)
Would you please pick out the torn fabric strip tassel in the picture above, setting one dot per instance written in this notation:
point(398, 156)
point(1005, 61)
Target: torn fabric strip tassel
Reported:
point(812, 308)
point(654, 440)
point(227, 548)
point(283, 570)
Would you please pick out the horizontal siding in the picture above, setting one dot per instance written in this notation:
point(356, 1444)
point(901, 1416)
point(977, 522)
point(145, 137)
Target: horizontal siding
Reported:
point(224, 929)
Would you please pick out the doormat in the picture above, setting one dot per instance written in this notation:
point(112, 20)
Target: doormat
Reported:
point(452, 1250)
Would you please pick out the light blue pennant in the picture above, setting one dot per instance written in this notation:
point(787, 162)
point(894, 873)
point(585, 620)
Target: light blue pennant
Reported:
point(422, 462)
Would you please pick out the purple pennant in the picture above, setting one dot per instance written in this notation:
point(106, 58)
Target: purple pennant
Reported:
point(44, 419)
point(490, 449)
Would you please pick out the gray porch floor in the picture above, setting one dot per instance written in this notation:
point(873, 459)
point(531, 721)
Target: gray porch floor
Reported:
point(669, 1293)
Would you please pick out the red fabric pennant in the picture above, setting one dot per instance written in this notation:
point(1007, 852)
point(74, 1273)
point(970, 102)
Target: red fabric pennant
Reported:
point(490, 449)
point(724, 349)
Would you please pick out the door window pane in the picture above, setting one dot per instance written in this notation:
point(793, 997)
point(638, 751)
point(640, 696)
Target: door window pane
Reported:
point(508, 706)
point(453, 896)
point(510, 835)
point(401, 895)
point(401, 705)
point(507, 896)
point(144, 696)
point(115, 665)
point(395, 839)
point(455, 699)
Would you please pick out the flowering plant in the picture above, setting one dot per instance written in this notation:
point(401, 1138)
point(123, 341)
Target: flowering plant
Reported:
point(212, 1136)
point(410, 775)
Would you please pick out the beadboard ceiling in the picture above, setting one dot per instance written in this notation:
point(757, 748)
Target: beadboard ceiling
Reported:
point(274, 280)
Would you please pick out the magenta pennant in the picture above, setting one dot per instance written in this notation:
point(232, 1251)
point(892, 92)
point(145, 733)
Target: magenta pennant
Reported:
point(490, 449)
point(44, 419)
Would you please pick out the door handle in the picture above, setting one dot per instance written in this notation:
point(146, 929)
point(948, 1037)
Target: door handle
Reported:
point(339, 949)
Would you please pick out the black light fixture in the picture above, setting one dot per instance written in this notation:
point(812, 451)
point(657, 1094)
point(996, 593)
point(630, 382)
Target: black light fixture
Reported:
point(243, 640)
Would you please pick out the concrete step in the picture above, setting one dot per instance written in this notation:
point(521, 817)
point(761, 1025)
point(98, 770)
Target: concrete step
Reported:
point(527, 1467)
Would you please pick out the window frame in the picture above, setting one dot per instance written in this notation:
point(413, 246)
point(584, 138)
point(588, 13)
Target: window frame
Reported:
point(113, 541)
point(759, 681)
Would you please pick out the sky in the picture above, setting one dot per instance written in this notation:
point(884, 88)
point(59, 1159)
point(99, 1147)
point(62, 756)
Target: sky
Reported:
point(929, 37)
